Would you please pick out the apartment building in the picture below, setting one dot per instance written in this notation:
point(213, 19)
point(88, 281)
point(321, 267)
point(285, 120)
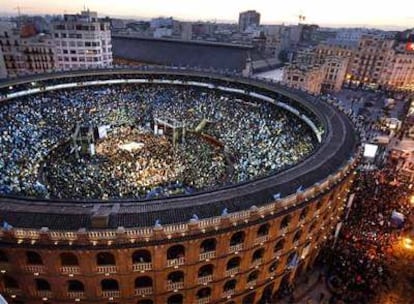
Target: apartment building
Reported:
point(23, 51)
point(82, 41)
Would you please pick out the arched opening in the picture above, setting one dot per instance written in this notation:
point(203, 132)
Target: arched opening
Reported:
point(319, 205)
point(253, 276)
point(141, 256)
point(237, 238)
point(284, 287)
point(204, 293)
point(68, 259)
point(249, 299)
point(233, 263)
point(146, 301)
point(285, 222)
point(3, 257)
point(267, 294)
point(105, 259)
point(208, 245)
point(273, 267)
point(175, 299)
point(33, 258)
point(10, 282)
point(205, 271)
point(263, 230)
point(279, 245)
point(258, 255)
point(312, 226)
point(297, 236)
point(42, 285)
point(75, 286)
point(143, 282)
point(176, 252)
point(304, 213)
point(292, 260)
point(176, 276)
point(229, 285)
point(109, 285)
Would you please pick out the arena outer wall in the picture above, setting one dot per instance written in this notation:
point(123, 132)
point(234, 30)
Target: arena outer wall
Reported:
point(111, 251)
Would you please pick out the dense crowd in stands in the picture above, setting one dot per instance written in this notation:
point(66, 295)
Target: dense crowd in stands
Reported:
point(358, 265)
point(259, 138)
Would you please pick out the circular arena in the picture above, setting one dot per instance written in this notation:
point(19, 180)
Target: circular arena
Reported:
point(165, 186)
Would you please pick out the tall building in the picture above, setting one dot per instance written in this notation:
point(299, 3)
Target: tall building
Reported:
point(368, 62)
point(380, 61)
point(82, 41)
point(247, 19)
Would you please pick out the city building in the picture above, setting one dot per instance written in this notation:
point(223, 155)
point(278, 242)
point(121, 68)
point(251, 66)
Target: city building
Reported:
point(39, 54)
point(25, 51)
point(250, 240)
point(10, 45)
point(399, 69)
point(186, 31)
point(318, 69)
point(82, 41)
point(248, 19)
point(369, 60)
point(382, 62)
point(307, 77)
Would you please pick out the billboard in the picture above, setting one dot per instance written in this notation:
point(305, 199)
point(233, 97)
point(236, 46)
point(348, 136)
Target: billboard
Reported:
point(370, 150)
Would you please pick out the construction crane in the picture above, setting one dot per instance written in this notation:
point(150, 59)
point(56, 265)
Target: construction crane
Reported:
point(19, 8)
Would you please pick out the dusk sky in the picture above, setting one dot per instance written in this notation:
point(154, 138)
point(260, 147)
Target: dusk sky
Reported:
point(396, 13)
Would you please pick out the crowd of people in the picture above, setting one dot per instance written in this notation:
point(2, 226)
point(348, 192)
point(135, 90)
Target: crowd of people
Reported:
point(259, 138)
point(358, 265)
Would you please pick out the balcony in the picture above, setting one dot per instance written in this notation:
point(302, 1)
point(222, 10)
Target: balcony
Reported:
point(13, 291)
point(106, 269)
point(236, 248)
point(283, 230)
point(207, 255)
point(175, 285)
point(44, 293)
point(205, 279)
point(204, 300)
point(76, 294)
point(111, 293)
point(232, 271)
point(261, 239)
point(35, 268)
point(70, 269)
point(175, 262)
point(228, 293)
point(5, 266)
point(278, 253)
point(142, 267)
point(251, 284)
point(145, 291)
point(257, 262)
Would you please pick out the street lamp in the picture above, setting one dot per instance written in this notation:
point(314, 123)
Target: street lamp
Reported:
point(408, 243)
point(412, 200)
